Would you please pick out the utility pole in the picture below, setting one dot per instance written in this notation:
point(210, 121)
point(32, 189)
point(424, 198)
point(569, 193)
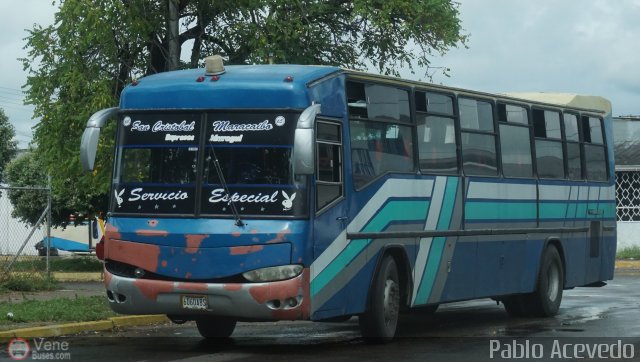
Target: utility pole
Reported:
point(173, 37)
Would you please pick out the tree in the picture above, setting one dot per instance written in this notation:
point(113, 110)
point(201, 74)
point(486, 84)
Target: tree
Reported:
point(81, 63)
point(8, 145)
point(25, 171)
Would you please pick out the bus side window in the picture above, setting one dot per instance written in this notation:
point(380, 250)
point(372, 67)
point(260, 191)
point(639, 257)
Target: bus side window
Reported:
point(595, 152)
point(329, 185)
point(549, 154)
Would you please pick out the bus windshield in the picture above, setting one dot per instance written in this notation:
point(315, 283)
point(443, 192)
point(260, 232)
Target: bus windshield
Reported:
point(166, 164)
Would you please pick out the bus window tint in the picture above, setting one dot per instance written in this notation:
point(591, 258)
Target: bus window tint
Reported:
point(159, 165)
point(249, 165)
point(475, 115)
point(595, 163)
point(437, 144)
point(549, 154)
point(479, 154)
point(594, 150)
point(378, 148)
point(573, 161)
point(512, 114)
point(572, 137)
point(377, 102)
point(329, 186)
point(571, 127)
point(515, 148)
point(478, 138)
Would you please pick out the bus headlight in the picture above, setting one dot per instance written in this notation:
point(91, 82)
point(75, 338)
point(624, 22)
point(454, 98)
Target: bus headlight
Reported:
point(273, 273)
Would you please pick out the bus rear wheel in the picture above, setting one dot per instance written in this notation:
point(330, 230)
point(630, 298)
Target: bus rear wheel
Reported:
point(215, 327)
point(545, 301)
point(378, 324)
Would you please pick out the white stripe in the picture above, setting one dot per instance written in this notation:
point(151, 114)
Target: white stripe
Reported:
point(501, 191)
point(391, 188)
point(423, 253)
point(607, 193)
point(594, 193)
point(554, 192)
point(425, 243)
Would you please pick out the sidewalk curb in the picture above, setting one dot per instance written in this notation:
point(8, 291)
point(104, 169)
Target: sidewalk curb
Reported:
point(75, 328)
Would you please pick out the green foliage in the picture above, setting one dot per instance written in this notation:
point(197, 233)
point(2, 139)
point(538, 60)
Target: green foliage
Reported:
point(8, 145)
point(81, 63)
point(630, 252)
point(27, 282)
point(78, 309)
point(27, 171)
point(60, 264)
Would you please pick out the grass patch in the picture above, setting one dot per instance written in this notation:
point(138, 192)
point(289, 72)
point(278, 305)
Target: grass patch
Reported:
point(60, 264)
point(27, 283)
point(631, 252)
point(79, 309)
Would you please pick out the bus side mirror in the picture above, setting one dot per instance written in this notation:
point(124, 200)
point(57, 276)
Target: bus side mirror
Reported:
point(91, 136)
point(303, 155)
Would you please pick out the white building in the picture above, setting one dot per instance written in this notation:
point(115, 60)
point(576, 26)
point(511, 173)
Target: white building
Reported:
point(626, 135)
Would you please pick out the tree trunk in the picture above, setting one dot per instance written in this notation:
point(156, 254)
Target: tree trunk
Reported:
point(173, 36)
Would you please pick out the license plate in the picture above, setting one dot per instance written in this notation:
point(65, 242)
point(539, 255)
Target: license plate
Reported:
point(198, 302)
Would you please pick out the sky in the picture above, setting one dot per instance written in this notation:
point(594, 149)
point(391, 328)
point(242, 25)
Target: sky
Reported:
point(571, 46)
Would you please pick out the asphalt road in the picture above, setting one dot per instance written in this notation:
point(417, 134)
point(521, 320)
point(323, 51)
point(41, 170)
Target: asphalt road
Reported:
point(466, 331)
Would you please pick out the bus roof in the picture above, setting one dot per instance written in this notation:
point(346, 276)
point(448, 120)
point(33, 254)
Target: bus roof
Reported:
point(241, 86)
point(567, 100)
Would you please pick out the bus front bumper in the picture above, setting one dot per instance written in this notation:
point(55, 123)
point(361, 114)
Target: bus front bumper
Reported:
point(280, 300)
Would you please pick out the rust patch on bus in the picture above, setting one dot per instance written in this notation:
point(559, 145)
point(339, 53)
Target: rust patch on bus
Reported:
point(280, 237)
point(282, 290)
point(197, 287)
point(193, 243)
point(152, 223)
point(151, 288)
point(232, 287)
point(152, 232)
point(111, 232)
point(243, 250)
point(141, 255)
point(107, 278)
point(164, 263)
point(236, 234)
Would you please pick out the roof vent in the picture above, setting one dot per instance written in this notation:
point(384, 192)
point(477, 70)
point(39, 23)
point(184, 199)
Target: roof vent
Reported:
point(214, 65)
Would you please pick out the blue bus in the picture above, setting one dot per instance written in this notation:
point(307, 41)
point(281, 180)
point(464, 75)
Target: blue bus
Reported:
point(290, 192)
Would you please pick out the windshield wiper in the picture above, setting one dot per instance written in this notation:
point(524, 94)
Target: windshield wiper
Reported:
point(223, 182)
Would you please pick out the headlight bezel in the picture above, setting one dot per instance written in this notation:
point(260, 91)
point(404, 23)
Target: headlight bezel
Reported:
point(273, 273)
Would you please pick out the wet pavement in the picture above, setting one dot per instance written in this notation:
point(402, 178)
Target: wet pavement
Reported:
point(464, 331)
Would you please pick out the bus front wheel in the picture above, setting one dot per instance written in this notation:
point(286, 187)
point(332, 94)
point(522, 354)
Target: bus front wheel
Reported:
point(545, 301)
point(378, 324)
point(215, 327)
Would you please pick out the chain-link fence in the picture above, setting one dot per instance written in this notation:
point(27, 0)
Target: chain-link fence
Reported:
point(628, 195)
point(23, 247)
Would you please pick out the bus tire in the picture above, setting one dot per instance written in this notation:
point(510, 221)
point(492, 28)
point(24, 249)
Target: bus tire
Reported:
point(215, 327)
point(545, 301)
point(378, 324)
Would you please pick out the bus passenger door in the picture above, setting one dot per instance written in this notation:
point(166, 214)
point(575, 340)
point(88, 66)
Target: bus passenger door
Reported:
point(329, 226)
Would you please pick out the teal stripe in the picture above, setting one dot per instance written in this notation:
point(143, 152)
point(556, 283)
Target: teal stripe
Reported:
point(556, 210)
point(487, 210)
point(349, 253)
point(431, 270)
point(396, 210)
point(437, 245)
